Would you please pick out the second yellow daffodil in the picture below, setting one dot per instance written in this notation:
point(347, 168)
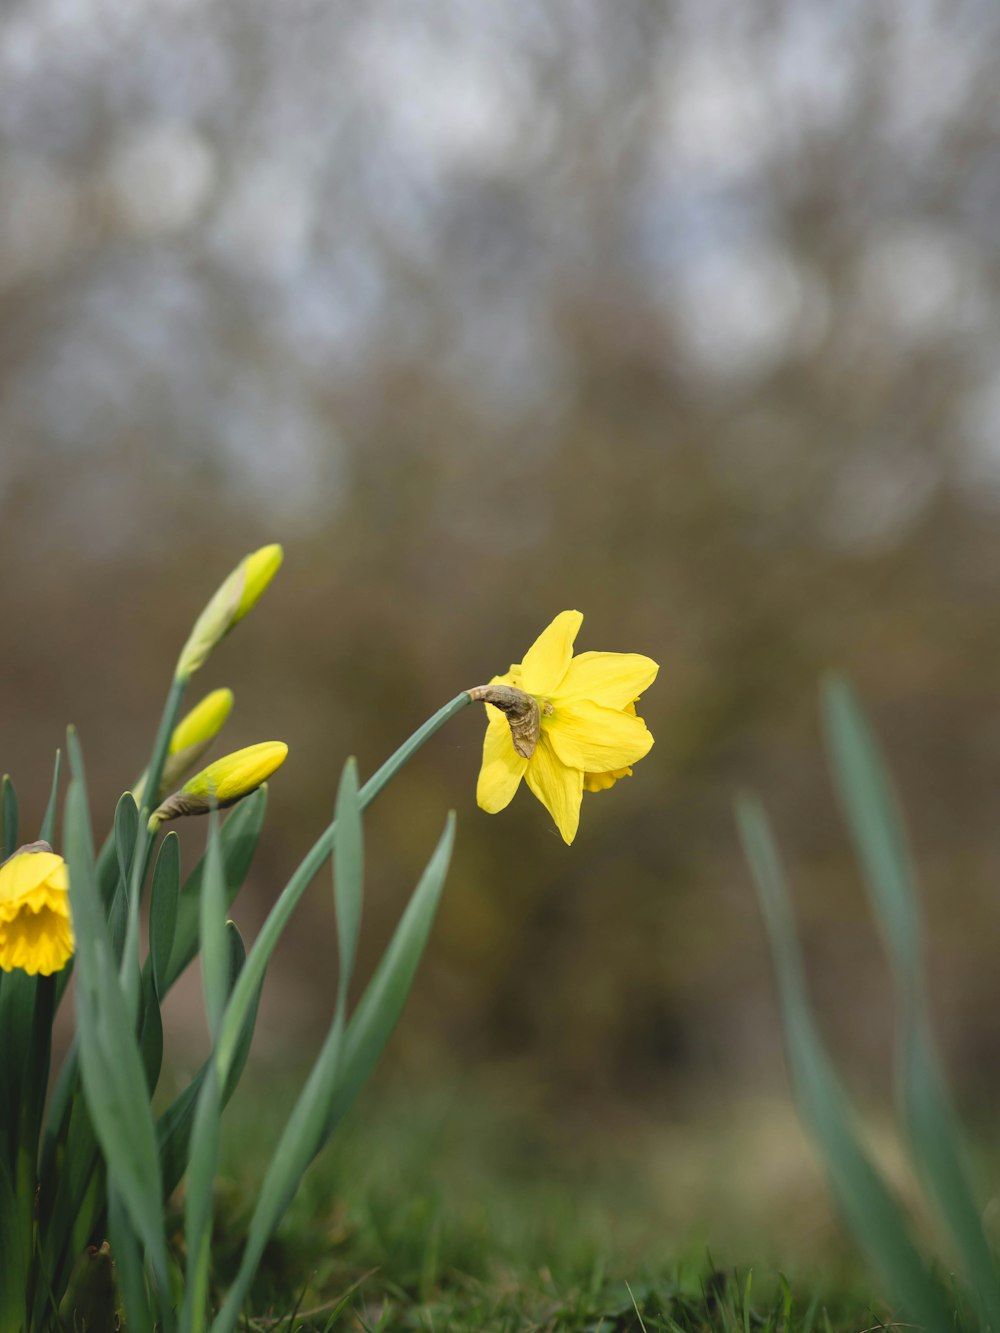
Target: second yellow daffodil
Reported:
point(36, 932)
point(568, 724)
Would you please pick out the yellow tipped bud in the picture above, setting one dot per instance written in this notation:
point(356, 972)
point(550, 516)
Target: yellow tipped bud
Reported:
point(237, 596)
point(190, 739)
point(225, 782)
point(204, 722)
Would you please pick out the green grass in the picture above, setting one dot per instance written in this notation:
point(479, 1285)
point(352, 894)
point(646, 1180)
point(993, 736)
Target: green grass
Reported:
point(455, 1212)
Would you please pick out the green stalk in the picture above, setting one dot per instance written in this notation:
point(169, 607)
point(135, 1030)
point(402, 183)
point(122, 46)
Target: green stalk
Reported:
point(257, 959)
point(144, 842)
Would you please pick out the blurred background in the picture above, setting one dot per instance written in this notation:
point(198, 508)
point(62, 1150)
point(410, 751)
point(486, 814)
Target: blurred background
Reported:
point(679, 312)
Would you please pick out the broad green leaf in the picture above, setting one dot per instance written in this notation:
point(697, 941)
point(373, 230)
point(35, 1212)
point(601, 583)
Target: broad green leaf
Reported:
point(8, 817)
point(47, 832)
point(336, 1077)
point(113, 1077)
point(881, 841)
point(238, 841)
point(871, 1210)
point(163, 909)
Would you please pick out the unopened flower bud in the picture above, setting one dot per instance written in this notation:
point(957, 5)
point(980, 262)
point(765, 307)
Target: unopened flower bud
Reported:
point(223, 783)
point(190, 739)
point(234, 599)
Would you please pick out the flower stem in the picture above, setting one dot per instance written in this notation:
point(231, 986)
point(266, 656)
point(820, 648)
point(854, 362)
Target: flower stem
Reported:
point(256, 964)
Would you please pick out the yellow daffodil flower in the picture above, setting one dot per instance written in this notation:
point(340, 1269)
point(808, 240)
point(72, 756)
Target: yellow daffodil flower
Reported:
point(36, 933)
point(565, 724)
point(225, 782)
point(237, 596)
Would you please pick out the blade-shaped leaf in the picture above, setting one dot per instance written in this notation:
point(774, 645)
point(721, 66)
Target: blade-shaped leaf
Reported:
point(348, 874)
point(238, 841)
point(128, 1265)
point(879, 834)
point(871, 1210)
point(175, 1124)
point(126, 832)
point(8, 817)
point(381, 1004)
point(214, 951)
point(872, 810)
point(163, 909)
point(336, 1078)
point(198, 1201)
point(114, 1081)
point(47, 832)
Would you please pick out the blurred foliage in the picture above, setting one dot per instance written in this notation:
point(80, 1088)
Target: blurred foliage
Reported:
point(679, 313)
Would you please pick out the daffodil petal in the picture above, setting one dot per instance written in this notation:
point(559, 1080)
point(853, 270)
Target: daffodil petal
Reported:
point(503, 768)
point(560, 789)
point(546, 660)
point(25, 872)
point(611, 679)
point(595, 739)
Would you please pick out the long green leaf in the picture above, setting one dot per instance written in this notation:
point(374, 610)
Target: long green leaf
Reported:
point(113, 1077)
point(205, 1133)
point(280, 914)
point(214, 954)
point(47, 832)
point(879, 834)
point(8, 817)
point(16, 1256)
point(126, 836)
point(238, 842)
point(128, 1265)
point(174, 1126)
point(348, 875)
point(163, 910)
point(872, 1212)
point(198, 1202)
point(335, 1077)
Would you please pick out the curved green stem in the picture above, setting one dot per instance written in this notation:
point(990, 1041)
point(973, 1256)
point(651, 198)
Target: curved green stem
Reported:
point(257, 959)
